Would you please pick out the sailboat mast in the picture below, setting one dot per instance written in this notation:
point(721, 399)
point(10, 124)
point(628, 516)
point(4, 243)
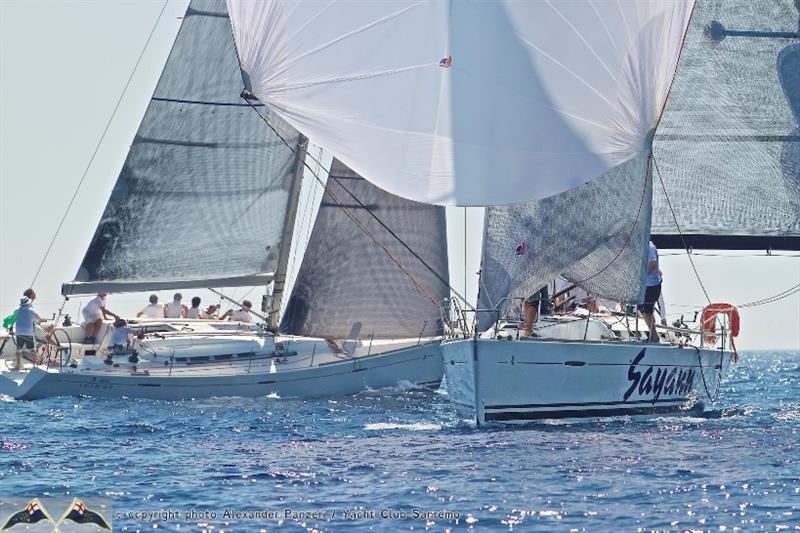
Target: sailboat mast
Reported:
point(288, 232)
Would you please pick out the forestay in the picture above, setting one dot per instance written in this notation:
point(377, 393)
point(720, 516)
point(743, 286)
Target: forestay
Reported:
point(347, 287)
point(469, 102)
point(595, 235)
point(202, 197)
point(728, 146)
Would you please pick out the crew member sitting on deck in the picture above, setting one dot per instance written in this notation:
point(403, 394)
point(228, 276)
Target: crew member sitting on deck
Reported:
point(154, 310)
point(240, 315)
point(94, 313)
point(194, 311)
point(175, 309)
point(119, 337)
point(652, 292)
point(211, 311)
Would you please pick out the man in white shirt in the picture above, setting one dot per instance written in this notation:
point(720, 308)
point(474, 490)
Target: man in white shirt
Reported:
point(24, 328)
point(175, 309)
point(153, 310)
point(93, 313)
point(194, 312)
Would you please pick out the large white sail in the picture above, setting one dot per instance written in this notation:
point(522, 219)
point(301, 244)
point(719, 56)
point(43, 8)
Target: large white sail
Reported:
point(467, 103)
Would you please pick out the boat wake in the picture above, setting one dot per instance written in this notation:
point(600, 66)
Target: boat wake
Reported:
point(416, 426)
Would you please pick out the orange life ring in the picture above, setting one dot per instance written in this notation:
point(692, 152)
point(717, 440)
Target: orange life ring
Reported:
point(710, 313)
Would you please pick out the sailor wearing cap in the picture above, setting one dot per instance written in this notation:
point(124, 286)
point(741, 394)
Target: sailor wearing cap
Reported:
point(24, 327)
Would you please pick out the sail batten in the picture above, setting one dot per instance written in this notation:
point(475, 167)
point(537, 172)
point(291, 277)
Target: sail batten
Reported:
point(202, 196)
point(140, 285)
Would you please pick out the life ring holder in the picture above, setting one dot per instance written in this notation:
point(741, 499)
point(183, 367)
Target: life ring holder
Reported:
point(710, 314)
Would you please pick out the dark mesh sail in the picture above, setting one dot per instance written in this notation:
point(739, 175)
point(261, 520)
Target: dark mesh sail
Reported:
point(202, 197)
point(728, 145)
point(347, 287)
point(595, 235)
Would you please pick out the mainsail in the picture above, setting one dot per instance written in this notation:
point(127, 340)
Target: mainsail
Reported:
point(728, 146)
point(347, 286)
point(202, 198)
point(469, 102)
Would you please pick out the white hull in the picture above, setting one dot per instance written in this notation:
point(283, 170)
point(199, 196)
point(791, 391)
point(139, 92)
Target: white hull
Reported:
point(518, 381)
point(205, 363)
point(420, 365)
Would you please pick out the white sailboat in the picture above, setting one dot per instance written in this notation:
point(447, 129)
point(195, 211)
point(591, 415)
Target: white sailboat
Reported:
point(554, 115)
point(208, 197)
point(716, 154)
point(196, 359)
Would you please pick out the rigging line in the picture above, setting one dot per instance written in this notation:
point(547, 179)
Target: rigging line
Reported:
point(348, 212)
point(420, 288)
point(732, 256)
point(680, 233)
point(648, 176)
point(446, 283)
point(769, 301)
point(773, 298)
point(433, 271)
point(97, 148)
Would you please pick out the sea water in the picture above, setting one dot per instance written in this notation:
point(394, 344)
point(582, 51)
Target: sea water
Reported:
point(401, 459)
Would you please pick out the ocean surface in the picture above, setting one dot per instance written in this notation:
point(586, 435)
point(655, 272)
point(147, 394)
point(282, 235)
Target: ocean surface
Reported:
point(401, 460)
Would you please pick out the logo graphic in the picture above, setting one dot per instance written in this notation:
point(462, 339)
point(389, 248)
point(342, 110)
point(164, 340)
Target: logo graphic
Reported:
point(33, 513)
point(521, 248)
point(78, 512)
point(653, 381)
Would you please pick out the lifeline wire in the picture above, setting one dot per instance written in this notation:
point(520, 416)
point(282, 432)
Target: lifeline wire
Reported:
point(97, 148)
point(678, 227)
point(774, 298)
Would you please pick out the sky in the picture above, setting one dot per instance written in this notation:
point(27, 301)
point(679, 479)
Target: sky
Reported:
point(63, 66)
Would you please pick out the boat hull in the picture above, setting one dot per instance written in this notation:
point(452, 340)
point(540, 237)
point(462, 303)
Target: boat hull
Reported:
point(418, 364)
point(495, 381)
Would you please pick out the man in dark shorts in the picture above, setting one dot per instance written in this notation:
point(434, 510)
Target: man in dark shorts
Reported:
point(24, 327)
point(530, 308)
point(652, 292)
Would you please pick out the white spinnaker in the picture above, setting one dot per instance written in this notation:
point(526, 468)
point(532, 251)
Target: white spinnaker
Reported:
point(540, 97)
